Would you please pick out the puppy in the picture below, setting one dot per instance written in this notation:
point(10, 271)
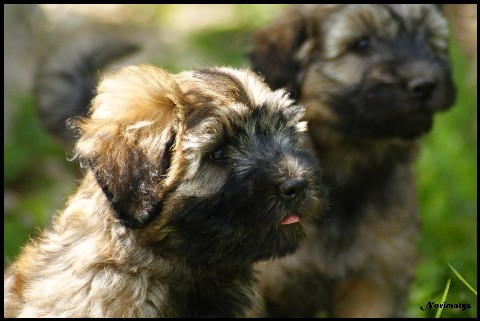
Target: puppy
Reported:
point(190, 179)
point(372, 77)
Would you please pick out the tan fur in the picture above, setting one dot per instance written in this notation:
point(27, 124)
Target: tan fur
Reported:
point(360, 70)
point(463, 18)
point(106, 255)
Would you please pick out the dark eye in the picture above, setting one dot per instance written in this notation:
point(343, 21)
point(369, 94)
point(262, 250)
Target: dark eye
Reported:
point(218, 154)
point(360, 45)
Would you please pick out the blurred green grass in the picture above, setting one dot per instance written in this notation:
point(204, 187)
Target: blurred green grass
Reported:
point(38, 178)
point(447, 192)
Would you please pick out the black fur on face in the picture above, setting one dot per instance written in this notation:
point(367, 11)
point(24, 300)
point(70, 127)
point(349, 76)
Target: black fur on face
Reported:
point(267, 180)
point(397, 97)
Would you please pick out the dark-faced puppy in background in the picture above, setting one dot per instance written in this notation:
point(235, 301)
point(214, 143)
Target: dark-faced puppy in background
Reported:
point(190, 179)
point(372, 78)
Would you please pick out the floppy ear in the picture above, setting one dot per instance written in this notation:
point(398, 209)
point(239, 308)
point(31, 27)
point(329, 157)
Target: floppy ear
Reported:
point(275, 48)
point(131, 141)
point(282, 49)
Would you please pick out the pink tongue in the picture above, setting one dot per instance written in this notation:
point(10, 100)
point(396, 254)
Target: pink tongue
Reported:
point(294, 218)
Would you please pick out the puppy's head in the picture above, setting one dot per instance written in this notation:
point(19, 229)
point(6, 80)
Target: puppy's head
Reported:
point(369, 71)
point(207, 164)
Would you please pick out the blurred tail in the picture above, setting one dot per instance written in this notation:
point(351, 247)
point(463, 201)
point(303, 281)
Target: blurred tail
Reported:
point(65, 82)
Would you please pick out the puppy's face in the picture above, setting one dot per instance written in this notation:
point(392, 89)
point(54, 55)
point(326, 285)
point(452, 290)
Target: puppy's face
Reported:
point(215, 173)
point(370, 71)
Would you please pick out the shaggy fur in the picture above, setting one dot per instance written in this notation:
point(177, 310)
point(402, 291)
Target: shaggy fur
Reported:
point(372, 78)
point(191, 178)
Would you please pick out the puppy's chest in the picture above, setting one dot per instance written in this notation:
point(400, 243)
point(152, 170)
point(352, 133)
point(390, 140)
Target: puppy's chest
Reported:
point(354, 186)
point(210, 297)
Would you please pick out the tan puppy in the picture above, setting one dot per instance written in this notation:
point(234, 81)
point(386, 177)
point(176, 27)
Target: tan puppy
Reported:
point(191, 178)
point(371, 77)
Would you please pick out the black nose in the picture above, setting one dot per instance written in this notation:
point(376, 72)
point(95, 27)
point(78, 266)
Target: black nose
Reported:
point(421, 87)
point(293, 189)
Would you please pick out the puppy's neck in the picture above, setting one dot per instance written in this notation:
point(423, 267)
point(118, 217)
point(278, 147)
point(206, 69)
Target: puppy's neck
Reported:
point(345, 160)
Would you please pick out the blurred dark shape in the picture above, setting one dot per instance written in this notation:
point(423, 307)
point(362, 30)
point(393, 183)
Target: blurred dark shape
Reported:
point(65, 82)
